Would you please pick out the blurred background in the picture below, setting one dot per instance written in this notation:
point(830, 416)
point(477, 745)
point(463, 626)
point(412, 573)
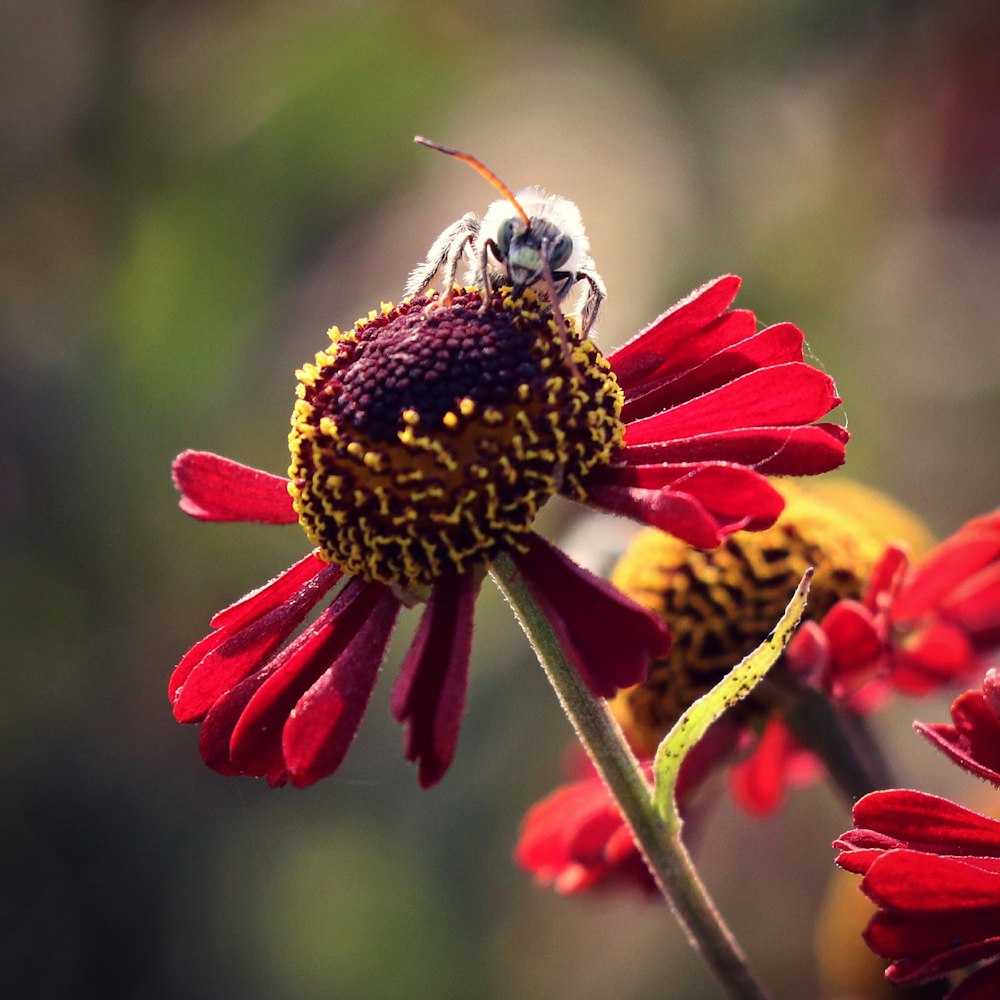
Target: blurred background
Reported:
point(191, 193)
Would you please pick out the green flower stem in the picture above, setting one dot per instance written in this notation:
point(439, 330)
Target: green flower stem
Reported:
point(660, 844)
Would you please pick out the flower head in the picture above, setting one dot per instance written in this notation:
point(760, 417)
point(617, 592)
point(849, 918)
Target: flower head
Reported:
point(424, 442)
point(932, 867)
point(873, 624)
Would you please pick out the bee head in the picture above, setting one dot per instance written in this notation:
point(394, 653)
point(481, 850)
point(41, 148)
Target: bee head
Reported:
point(525, 249)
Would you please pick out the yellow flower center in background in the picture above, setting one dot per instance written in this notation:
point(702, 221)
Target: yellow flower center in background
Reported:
point(722, 603)
point(428, 437)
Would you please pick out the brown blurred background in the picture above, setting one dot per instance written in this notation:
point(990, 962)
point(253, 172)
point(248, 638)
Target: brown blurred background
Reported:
point(190, 194)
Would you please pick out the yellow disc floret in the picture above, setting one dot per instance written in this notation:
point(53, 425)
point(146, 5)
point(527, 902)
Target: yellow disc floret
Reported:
point(427, 438)
point(721, 604)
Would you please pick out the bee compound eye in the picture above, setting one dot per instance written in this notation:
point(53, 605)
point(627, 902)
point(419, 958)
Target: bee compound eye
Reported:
point(561, 250)
point(504, 236)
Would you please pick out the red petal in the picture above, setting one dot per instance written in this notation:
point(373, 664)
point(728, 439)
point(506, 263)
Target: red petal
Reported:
point(245, 649)
point(975, 606)
point(730, 492)
point(926, 822)
point(947, 566)
point(253, 605)
point(643, 355)
point(256, 741)
point(886, 578)
point(807, 655)
point(917, 882)
point(793, 393)
point(936, 655)
point(323, 724)
point(929, 946)
point(758, 783)
point(774, 451)
point(430, 692)
point(258, 602)
point(973, 742)
point(983, 984)
point(214, 488)
point(775, 345)
point(608, 638)
point(856, 645)
point(669, 510)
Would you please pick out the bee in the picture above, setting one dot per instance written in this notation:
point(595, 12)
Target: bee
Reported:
point(541, 245)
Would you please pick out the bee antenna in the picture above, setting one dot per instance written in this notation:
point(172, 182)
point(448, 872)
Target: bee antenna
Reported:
point(481, 169)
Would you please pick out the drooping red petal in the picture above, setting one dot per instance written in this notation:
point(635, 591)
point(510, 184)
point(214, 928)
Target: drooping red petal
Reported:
point(244, 649)
point(672, 511)
point(856, 643)
point(608, 638)
point(258, 602)
point(255, 745)
point(429, 695)
point(788, 394)
point(672, 334)
point(323, 724)
point(886, 579)
point(776, 345)
point(774, 451)
point(576, 839)
point(973, 742)
point(214, 488)
point(758, 784)
point(731, 493)
point(254, 605)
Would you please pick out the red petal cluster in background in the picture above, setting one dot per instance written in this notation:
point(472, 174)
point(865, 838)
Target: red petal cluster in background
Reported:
point(933, 867)
point(916, 629)
point(852, 655)
point(576, 839)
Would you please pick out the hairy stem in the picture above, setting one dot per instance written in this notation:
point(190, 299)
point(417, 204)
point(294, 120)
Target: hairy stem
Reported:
point(660, 843)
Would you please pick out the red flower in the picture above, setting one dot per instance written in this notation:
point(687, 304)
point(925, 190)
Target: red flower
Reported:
point(576, 838)
point(423, 443)
point(933, 867)
point(915, 630)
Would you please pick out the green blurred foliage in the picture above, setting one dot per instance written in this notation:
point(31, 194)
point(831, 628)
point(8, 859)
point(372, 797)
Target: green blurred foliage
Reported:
point(190, 194)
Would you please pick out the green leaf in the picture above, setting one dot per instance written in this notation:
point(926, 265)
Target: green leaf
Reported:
point(735, 686)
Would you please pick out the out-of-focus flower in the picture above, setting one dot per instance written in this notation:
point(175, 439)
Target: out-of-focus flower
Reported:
point(932, 867)
point(424, 442)
point(872, 625)
point(576, 839)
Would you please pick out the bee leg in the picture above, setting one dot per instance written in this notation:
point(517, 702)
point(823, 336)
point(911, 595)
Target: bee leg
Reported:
point(455, 254)
point(596, 294)
point(440, 253)
point(481, 254)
